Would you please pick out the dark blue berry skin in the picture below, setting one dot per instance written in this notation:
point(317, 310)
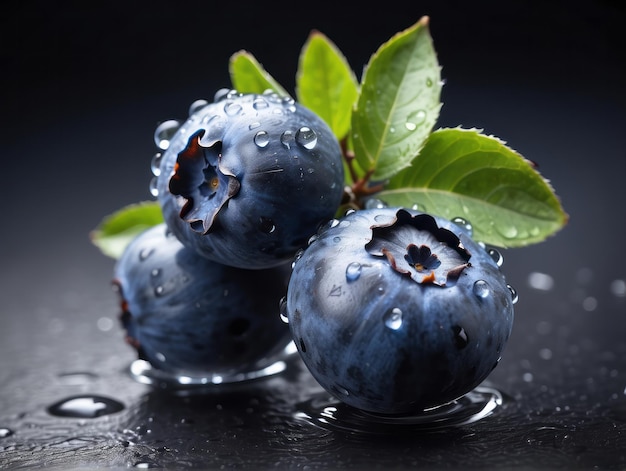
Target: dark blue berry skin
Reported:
point(248, 178)
point(394, 311)
point(188, 315)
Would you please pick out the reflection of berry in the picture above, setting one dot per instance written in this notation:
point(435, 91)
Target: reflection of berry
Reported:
point(186, 314)
point(247, 179)
point(394, 311)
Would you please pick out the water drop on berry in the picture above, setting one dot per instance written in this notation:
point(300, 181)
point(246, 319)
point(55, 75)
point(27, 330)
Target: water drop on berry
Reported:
point(165, 132)
point(496, 256)
point(153, 187)
point(197, 106)
point(155, 164)
point(393, 318)
point(232, 109)
point(481, 289)
point(261, 139)
point(464, 224)
point(374, 203)
point(266, 225)
point(254, 125)
point(145, 253)
point(282, 308)
point(260, 103)
point(514, 295)
point(460, 337)
point(306, 137)
point(353, 271)
point(286, 139)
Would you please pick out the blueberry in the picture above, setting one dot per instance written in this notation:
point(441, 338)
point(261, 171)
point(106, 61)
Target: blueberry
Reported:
point(395, 311)
point(248, 178)
point(186, 314)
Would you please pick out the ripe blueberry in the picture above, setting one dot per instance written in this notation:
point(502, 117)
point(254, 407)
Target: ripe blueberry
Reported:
point(188, 315)
point(395, 311)
point(248, 178)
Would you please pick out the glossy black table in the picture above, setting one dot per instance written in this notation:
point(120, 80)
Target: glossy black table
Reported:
point(79, 142)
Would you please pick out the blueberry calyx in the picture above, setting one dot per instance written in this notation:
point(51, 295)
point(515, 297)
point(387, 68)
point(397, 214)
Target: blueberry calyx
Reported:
point(416, 247)
point(205, 186)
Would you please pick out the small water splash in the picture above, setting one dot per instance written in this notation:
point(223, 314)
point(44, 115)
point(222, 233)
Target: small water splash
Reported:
point(143, 372)
point(331, 414)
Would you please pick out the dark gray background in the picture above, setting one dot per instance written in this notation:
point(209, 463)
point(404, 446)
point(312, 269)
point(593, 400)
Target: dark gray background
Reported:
point(84, 85)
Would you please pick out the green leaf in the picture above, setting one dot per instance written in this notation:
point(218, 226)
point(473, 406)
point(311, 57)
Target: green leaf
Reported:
point(399, 102)
point(117, 230)
point(326, 84)
point(463, 173)
point(247, 75)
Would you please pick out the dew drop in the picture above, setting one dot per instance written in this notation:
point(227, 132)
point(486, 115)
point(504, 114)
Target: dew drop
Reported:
point(481, 289)
point(429, 82)
point(222, 93)
point(145, 253)
point(155, 272)
point(286, 139)
point(393, 318)
point(298, 255)
point(306, 137)
point(153, 186)
point(384, 218)
point(261, 139)
point(353, 271)
point(496, 256)
point(282, 309)
point(266, 225)
point(375, 203)
point(464, 224)
point(514, 295)
point(85, 407)
point(415, 119)
point(336, 239)
point(155, 164)
point(260, 103)
point(232, 109)
point(5, 432)
point(165, 132)
point(460, 337)
point(197, 106)
point(508, 232)
point(254, 125)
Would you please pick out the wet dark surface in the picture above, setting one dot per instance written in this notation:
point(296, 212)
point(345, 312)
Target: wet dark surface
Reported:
point(83, 92)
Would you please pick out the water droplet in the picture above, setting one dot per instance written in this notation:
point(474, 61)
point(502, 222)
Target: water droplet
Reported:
point(145, 253)
point(514, 295)
point(590, 304)
point(266, 225)
point(260, 103)
point(328, 225)
point(415, 119)
point(261, 139)
point(464, 224)
point(460, 336)
point(393, 318)
point(197, 106)
point(336, 239)
point(232, 109)
point(353, 271)
point(298, 255)
point(222, 93)
point(153, 186)
point(306, 137)
point(155, 272)
point(384, 218)
point(155, 164)
point(496, 256)
point(282, 309)
point(429, 82)
point(254, 125)
point(85, 407)
point(508, 232)
point(286, 139)
point(165, 132)
point(481, 289)
point(5, 432)
point(312, 239)
point(540, 281)
point(375, 203)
